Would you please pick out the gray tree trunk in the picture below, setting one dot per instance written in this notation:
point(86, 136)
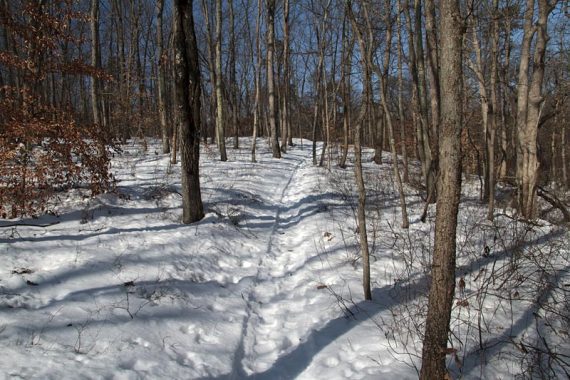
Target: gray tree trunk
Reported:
point(449, 188)
point(361, 209)
point(95, 102)
point(271, 80)
point(220, 123)
point(161, 79)
point(256, 110)
point(187, 100)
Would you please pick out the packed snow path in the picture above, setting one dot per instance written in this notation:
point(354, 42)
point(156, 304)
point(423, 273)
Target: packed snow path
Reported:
point(277, 300)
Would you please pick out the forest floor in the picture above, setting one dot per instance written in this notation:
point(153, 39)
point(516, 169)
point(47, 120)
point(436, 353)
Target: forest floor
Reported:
point(268, 284)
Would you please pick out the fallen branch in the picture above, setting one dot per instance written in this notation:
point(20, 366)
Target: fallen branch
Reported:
point(28, 225)
point(555, 202)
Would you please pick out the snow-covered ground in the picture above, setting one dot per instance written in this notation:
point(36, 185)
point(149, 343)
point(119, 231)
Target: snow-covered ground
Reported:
point(268, 284)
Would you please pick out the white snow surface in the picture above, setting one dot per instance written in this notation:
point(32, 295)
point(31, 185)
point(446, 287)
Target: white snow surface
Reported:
point(266, 286)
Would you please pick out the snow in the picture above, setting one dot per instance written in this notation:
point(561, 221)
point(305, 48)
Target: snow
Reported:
point(266, 286)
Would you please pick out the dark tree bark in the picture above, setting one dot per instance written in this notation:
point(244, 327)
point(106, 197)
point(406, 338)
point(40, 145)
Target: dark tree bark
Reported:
point(161, 79)
point(95, 60)
point(448, 192)
point(220, 122)
point(257, 69)
point(270, 78)
point(233, 84)
point(187, 80)
point(285, 125)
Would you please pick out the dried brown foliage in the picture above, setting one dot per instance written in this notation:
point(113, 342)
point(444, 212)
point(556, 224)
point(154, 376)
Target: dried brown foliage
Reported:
point(42, 147)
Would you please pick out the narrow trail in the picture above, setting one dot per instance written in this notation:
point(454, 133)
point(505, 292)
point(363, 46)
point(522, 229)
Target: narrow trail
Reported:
point(257, 350)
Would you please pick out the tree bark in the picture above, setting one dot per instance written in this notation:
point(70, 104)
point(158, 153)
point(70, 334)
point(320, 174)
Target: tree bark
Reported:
point(220, 123)
point(233, 83)
point(187, 81)
point(361, 209)
point(400, 100)
point(271, 80)
point(256, 107)
point(285, 127)
point(161, 79)
point(493, 111)
point(448, 193)
point(530, 101)
point(563, 153)
point(346, 88)
point(95, 59)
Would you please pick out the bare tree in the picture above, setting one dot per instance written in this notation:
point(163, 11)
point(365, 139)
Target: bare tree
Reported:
point(448, 192)
point(257, 73)
point(187, 81)
point(270, 78)
point(388, 115)
point(161, 56)
point(95, 61)
point(233, 84)
point(220, 123)
point(285, 122)
point(346, 87)
point(530, 101)
point(361, 210)
point(400, 93)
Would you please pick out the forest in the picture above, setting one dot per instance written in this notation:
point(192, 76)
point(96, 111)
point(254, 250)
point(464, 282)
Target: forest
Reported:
point(346, 189)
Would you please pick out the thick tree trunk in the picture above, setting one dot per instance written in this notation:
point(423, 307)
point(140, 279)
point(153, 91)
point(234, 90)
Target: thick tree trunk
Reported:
point(448, 192)
point(187, 81)
point(529, 106)
point(271, 80)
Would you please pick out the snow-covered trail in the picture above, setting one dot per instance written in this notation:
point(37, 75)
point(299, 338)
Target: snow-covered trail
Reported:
point(276, 302)
point(119, 289)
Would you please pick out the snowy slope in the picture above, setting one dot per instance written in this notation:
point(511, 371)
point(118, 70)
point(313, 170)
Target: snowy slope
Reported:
point(266, 286)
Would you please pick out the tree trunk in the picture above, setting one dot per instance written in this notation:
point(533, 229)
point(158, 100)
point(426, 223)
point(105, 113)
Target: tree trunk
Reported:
point(388, 115)
point(285, 127)
point(161, 79)
point(493, 111)
point(361, 212)
point(233, 83)
point(563, 153)
point(529, 107)
point(270, 78)
point(220, 123)
point(95, 59)
point(345, 83)
point(415, 52)
point(477, 67)
point(257, 112)
point(400, 94)
point(448, 193)
point(187, 81)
